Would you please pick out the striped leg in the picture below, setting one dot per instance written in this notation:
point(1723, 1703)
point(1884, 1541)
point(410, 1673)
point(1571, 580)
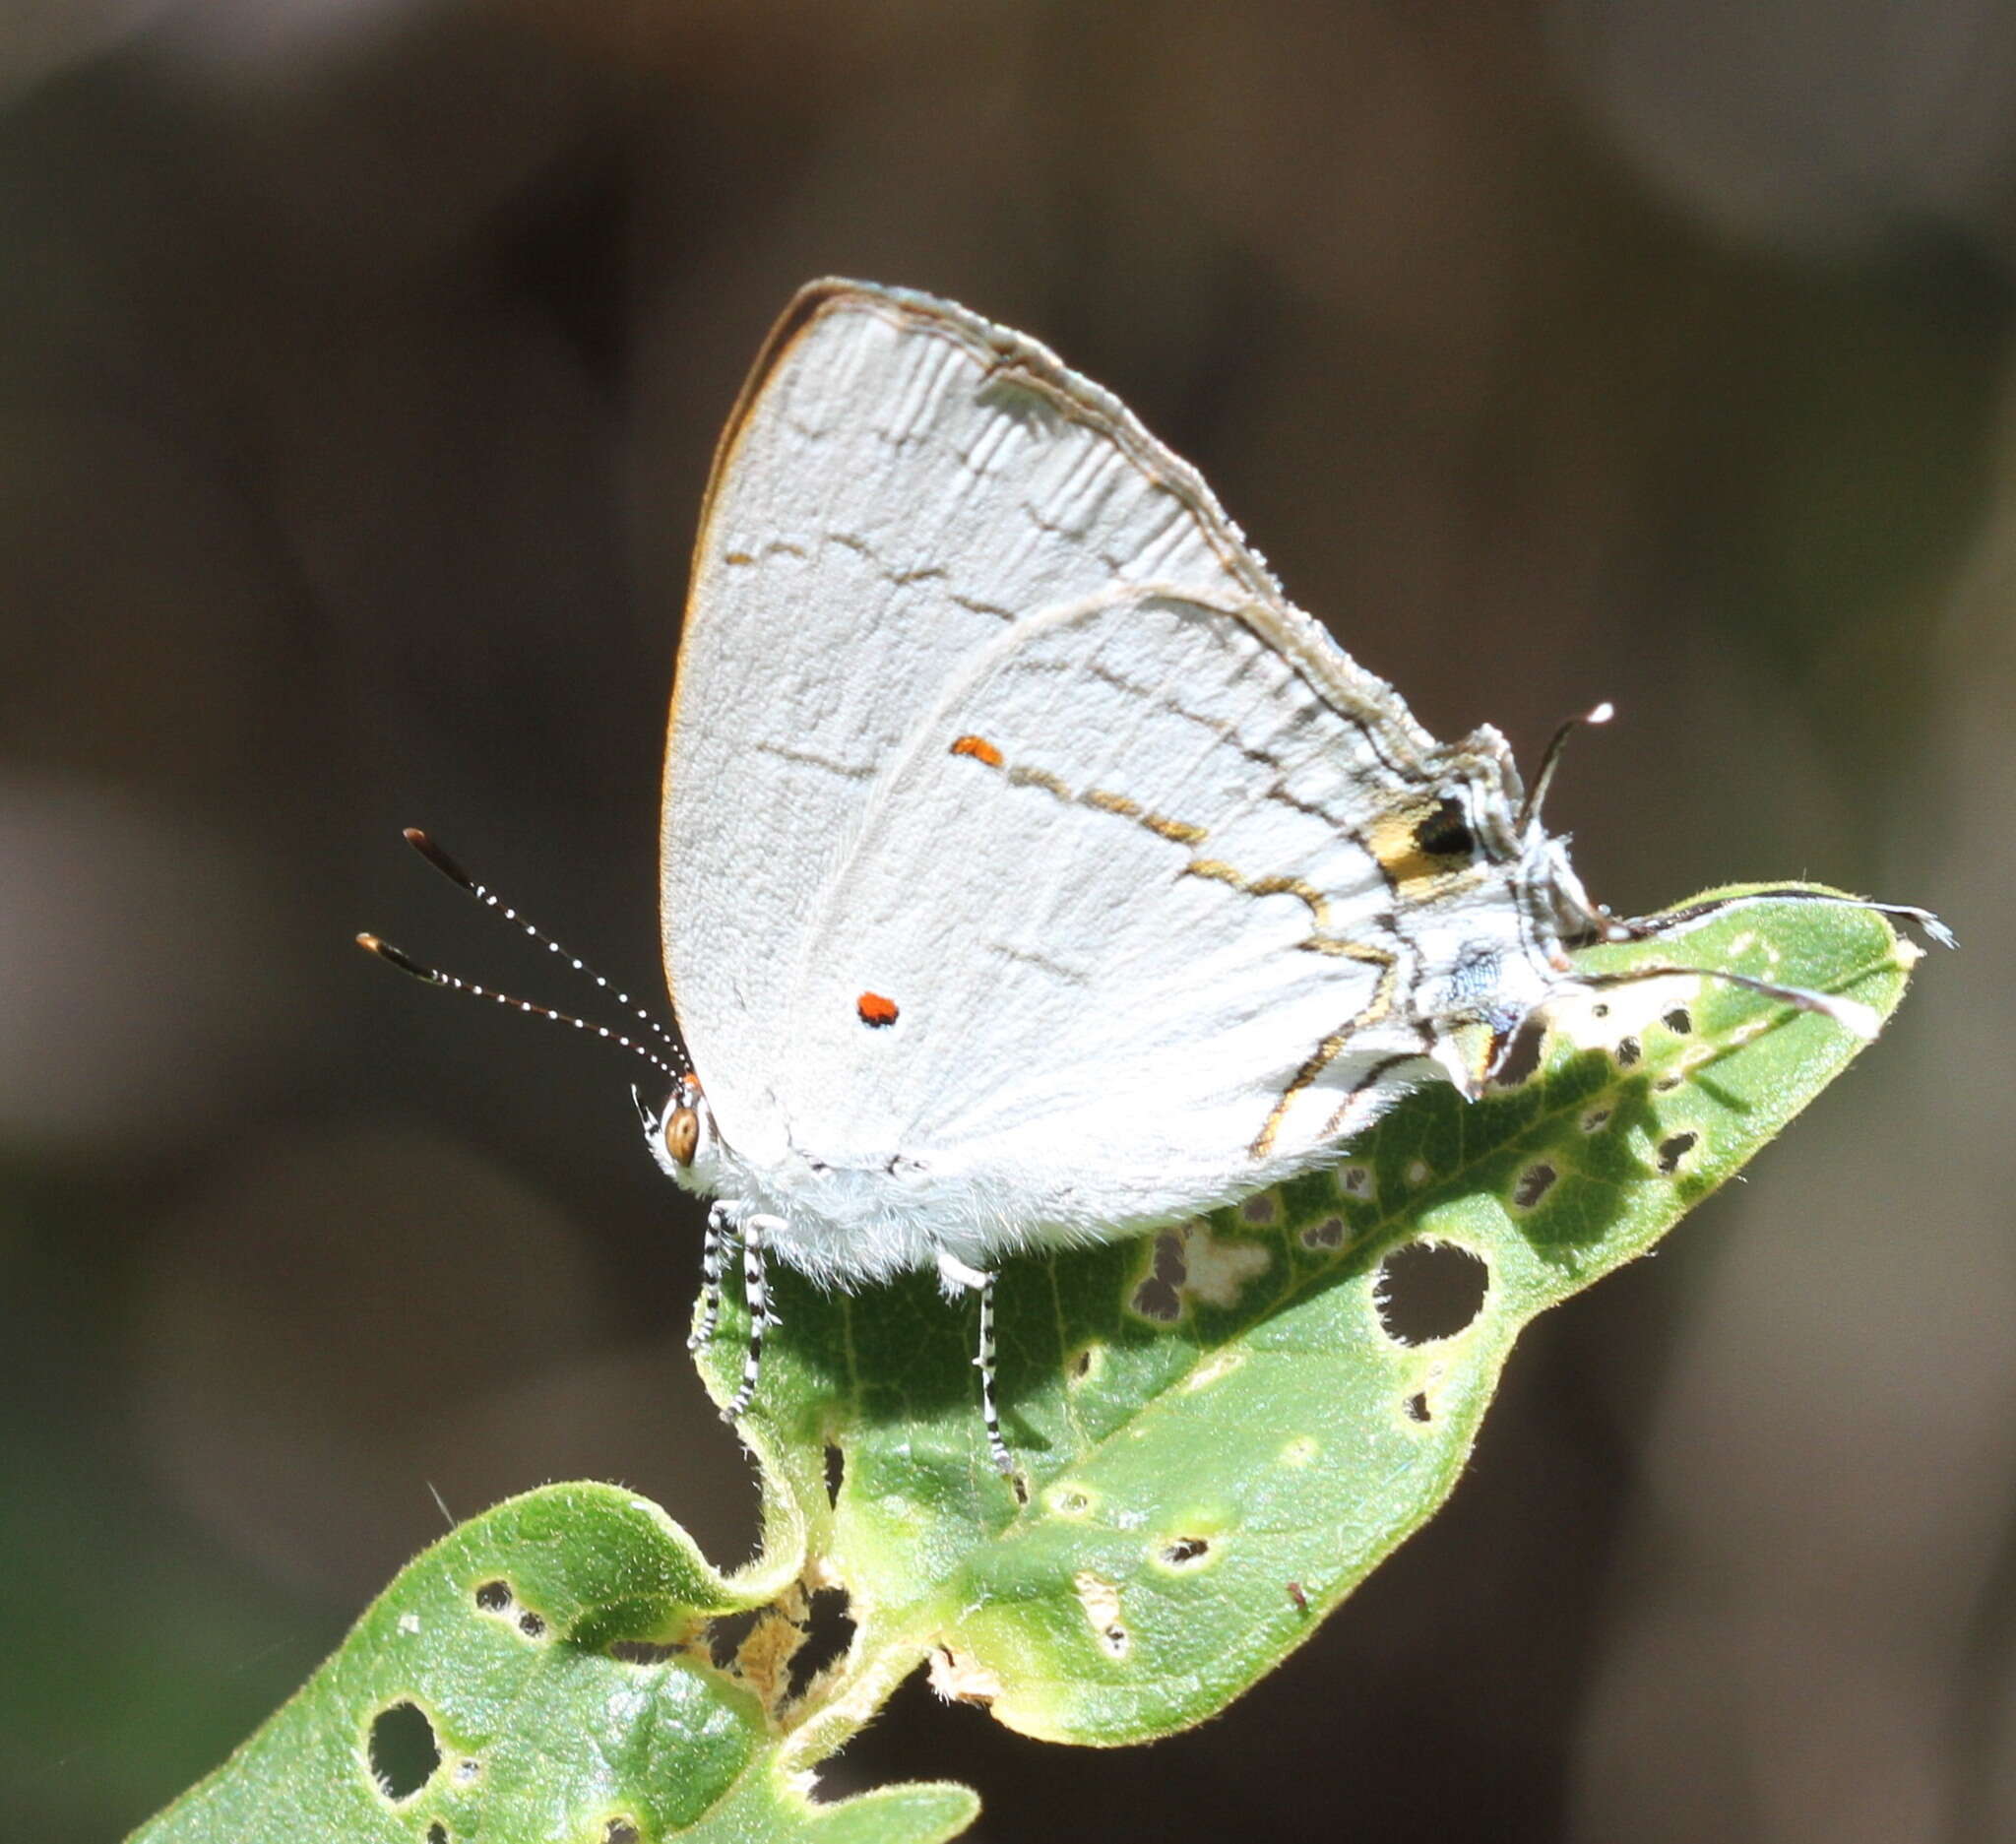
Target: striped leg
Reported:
point(720, 1229)
point(954, 1276)
point(984, 1363)
point(756, 1288)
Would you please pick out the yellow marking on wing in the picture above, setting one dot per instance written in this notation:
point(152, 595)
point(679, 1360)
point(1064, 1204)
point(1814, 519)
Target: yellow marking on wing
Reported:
point(1101, 799)
point(1217, 871)
point(1346, 950)
point(1394, 839)
point(1039, 777)
point(1327, 1053)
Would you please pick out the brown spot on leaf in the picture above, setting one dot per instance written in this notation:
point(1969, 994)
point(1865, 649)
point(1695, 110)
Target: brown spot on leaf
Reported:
point(1329, 1234)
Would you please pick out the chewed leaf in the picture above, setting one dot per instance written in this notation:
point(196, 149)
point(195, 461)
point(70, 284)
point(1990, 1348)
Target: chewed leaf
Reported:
point(542, 1673)
point(1222, 1428)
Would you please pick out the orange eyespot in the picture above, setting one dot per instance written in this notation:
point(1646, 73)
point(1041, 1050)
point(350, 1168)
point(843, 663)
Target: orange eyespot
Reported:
point(979, 748)
point(682, 1135)
point(874, 1010)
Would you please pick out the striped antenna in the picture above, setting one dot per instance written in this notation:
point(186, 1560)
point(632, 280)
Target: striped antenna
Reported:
point(434, 977)
point(450, 868)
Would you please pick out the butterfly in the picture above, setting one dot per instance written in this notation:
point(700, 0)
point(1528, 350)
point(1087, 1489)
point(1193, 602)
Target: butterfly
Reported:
point(1034, 872)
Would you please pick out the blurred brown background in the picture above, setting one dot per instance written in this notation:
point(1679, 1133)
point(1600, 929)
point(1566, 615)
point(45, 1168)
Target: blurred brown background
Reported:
point(359, 366)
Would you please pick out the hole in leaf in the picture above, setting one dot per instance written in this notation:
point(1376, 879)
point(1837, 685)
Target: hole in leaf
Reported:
point(1354, 1181)
point(467, 1769)
point(1629, 1049)
point(726, 1634)
point(1534, 1183)
point(1184, 1551)
point(437, 1833)
point(1601, 1009)
point(1678, 1021)
point(1595, 1119)
point(641, 1651)
point(1667, 1084)
point(1417, 1407)
point(1079, 1365)
point(493, 1596)
point(532, 1625)
point(404, 1752)
point(836, 1473)
point(1329, 1234)
point(1672, 1151)
point(1428, 1291)
point(1261, 1210)
point(829, 1631)
point(621, 1831)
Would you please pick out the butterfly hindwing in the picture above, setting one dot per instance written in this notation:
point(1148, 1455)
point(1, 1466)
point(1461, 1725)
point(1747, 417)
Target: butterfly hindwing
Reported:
point(1139, 944)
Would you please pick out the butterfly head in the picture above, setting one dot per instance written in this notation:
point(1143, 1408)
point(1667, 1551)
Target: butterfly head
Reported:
point(681, 1135)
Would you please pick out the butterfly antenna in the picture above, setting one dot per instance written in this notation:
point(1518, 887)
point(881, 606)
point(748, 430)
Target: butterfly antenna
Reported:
point(434, 977)
point(1551, 760)
point(1677, 921)
point(452, 869)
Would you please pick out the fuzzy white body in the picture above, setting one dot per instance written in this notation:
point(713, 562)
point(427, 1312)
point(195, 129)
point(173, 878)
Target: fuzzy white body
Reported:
point(1034, 873)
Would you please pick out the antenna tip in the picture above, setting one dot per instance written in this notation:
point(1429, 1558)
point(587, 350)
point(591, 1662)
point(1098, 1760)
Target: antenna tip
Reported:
point(404, 962)
point(1850, 1015)
point(1602, 713)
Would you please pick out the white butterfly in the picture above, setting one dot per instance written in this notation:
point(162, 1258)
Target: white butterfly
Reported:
point(1034, 872)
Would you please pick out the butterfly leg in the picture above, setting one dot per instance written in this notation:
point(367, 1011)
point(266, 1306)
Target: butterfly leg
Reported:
point(954, 1274)
point(720, 1228)
point(756, 1288)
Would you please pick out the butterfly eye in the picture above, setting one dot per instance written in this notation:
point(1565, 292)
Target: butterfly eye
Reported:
point(682, 1135)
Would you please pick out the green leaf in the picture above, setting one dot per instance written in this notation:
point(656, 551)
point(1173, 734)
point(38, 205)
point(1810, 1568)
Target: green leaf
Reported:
point(543, 1672)
point(1219, 1434)
point(1222, 1428)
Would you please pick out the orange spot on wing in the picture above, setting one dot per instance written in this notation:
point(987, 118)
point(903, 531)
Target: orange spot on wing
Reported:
point(874, 1010)
point(979, 748)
